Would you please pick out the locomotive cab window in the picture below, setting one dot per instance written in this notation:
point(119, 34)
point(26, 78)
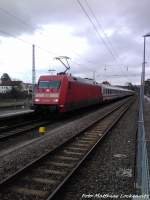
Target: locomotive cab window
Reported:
point(49, 84)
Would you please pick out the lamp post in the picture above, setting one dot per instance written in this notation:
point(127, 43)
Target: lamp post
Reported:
point(33, 71)
point(143, 70)
point(143, 181)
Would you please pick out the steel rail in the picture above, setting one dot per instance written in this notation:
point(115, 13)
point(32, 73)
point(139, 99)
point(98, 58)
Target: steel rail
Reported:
point(17, 129)
point(121, 110)
point(52, 195)
point(22, 128)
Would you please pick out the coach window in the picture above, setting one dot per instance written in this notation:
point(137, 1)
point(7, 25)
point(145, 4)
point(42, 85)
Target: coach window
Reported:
point(104, 92)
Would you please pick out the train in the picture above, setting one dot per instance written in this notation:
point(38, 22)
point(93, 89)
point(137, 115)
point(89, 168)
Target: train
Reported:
point(64, 93)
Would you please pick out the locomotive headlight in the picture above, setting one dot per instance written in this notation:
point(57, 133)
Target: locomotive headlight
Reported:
point(37, 100)
point(55, 100)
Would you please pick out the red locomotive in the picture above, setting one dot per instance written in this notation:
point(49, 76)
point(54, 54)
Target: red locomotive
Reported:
point(64, 93)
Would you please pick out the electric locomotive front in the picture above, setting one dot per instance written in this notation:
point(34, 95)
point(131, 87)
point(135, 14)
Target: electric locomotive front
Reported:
point(64, 93)
point(47, 93)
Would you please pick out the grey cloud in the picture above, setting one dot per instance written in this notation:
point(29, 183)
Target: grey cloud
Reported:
point(128, 19)
point(34, 13)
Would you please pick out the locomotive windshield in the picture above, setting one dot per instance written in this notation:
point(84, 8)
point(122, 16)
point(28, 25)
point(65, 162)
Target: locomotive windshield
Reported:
point(49, 84)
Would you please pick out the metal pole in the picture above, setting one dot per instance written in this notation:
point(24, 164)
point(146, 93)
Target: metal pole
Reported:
point(33, 70)
point(94, 76)
point(143, 74)
point(143, 178)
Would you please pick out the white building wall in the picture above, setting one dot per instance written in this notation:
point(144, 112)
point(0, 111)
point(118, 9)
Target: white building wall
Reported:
point(5, 89)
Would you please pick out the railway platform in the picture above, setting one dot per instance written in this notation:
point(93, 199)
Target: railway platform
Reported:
point(14, 112)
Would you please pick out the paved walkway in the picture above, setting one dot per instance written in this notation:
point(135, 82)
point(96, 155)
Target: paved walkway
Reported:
point(11, 112)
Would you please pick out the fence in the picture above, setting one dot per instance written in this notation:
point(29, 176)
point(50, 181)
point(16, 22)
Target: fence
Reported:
point(142, 166)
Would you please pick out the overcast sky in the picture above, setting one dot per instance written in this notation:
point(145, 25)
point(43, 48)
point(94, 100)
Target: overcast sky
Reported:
point(108, 43)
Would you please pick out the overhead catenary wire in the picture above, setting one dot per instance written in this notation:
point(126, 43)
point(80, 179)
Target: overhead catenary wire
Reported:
point(27, 42)
point(53, 53)
point(23, 22)
point(37, 46)
point(99, 37)
point(14, 16)
point(101, 27)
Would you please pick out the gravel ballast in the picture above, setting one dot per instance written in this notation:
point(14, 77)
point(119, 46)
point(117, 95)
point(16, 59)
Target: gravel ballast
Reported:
point(22, 155)
point(109, 171)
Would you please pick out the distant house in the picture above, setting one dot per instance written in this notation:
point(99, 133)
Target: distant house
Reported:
point(147, 82)
point(106, 83)
point(27, 87)
point(5, 88)
point(7, 85)
point(147, 87)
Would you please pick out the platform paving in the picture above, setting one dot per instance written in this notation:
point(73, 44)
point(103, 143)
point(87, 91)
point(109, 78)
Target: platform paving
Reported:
point(12, 112)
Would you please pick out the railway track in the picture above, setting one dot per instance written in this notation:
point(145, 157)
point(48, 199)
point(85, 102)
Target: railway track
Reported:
point(7, 132)
point(12, 126)
point(13, 121)
point(43, 177)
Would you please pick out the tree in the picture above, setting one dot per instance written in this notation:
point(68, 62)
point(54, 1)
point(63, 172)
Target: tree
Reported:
point(106, 83)
point(5, 77)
